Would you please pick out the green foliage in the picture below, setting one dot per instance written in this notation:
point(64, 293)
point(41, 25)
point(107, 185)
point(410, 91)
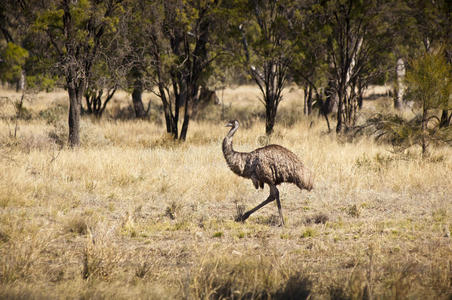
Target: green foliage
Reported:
point(22, 112)
point(429, 81)
point(13, 58)
point(402, 133)
point(174, 46)
point(77, 43)
point(310, 66)
point(429, 84)
point(218, 234)
point(16, 60)
point(393, 129)
point(53, 114)
point(309, 232)
point(49, 18)
point(42, 81)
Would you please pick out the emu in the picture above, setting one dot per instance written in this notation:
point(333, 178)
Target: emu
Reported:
point(271, 165)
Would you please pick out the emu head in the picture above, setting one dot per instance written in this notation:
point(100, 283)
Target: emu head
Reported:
point(233, 124)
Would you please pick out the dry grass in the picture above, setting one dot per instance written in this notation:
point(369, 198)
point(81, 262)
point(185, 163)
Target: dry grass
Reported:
point(132, 214)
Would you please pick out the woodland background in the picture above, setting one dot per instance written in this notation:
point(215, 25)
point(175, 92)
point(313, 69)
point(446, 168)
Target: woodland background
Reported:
point(113, 182)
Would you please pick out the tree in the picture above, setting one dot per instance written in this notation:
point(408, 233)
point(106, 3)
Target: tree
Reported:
point(268, 50)
point(179, 37)
point(357, 47)
point(309, 68)
point(13, 59)
point(15, 18)
point(140, 21)
point(419, 26)
point(75, 31)
point(108, 74)
point(402, 22)
point(17, 56)
point(429, 84)
point(433, 23)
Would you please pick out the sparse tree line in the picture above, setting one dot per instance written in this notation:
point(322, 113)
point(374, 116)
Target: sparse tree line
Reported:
point(333, 49)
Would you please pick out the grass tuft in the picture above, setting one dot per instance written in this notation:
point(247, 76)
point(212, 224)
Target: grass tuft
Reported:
point(320, 218)
point(76, 225)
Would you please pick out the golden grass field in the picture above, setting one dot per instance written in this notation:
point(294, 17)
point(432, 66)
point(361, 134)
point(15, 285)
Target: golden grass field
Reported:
point(132, 214)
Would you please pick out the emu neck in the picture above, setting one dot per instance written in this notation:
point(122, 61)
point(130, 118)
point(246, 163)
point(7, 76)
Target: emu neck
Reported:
point(228, 150)
point(235, 160)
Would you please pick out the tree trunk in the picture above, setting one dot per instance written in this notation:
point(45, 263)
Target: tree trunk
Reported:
point(331, 103)
point(445, 119)
point(307, 109)
point(360, 94)
point(270, 113)
point(206, 97)
point(360, 100)
point(181, 99)
point(75, 97)
point(191, 101)
point(424, 131)
point(94, 101)
point(399, 89)
point(269, 123)
point(309, 102)
point(137, 101)
point(20, 87)
point(89, 109)
point(171, 124)
point(327, 122)
point(340, 107)
point(168, 120)
point(183, 132)
point(323, 109)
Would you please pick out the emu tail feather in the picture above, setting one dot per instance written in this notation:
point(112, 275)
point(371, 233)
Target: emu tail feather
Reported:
point(305, 179)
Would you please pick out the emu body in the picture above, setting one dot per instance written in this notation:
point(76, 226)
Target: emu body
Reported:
point(271, 165)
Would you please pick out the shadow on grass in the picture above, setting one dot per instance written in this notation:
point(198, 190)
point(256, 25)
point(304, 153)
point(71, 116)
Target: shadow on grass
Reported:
point(296, 287)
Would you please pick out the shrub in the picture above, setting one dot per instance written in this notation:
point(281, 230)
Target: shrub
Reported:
point(429, 86)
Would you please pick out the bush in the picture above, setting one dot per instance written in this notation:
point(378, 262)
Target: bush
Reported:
point(53, 114)
point(429, 86)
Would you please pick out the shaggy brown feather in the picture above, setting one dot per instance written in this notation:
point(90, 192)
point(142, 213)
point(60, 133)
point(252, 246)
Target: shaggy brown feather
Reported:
point(272, 164)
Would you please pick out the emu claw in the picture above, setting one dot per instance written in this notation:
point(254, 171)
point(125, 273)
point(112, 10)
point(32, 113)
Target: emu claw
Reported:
point(241, 217)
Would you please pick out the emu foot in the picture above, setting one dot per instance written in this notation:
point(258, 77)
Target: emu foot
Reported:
point(240, 213)
point(241, 217)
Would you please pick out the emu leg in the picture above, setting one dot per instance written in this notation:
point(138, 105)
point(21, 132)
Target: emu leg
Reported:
point(278, 203)
point(274, 194)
